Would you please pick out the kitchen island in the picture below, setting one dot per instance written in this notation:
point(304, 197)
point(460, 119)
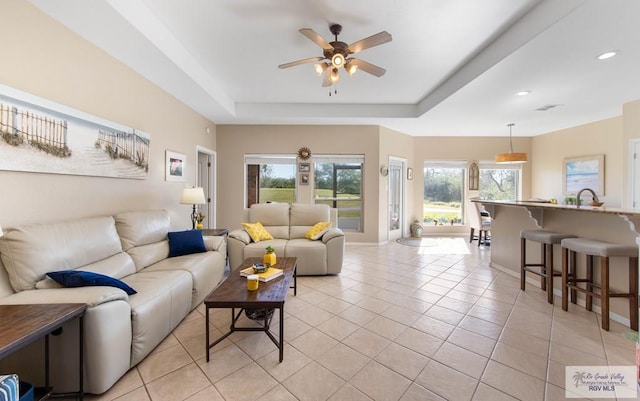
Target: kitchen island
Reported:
point(601, 223)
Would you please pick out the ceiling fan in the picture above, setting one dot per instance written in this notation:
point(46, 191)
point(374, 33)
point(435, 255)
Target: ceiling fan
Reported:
point(337, 54)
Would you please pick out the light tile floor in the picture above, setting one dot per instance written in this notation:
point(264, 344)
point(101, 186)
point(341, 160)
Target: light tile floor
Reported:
point(399, 323)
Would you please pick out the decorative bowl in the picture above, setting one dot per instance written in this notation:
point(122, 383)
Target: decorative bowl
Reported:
point(594, 203)
point(260, 268)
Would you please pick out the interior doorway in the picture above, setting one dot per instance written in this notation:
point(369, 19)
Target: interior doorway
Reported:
point(206, 178)
point(396, 209)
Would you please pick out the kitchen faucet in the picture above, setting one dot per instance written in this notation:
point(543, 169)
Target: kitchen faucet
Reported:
point(595, 197)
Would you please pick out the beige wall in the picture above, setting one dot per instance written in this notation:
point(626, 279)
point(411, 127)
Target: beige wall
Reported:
point(42, 57)
point(234, 141)
point(601, 137)
point(631, 130)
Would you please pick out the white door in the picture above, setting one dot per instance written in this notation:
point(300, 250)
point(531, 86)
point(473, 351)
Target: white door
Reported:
point(396, 198)
point(634, 162)
point(206, 179)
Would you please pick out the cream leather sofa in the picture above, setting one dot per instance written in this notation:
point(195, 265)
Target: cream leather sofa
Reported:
point(288, 225)
point(119, 330)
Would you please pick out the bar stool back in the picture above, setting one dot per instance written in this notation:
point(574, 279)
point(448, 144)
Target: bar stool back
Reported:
point(544, 269)
point(604, 250)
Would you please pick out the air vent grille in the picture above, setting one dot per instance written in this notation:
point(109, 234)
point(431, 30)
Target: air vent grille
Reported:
point(547, 107)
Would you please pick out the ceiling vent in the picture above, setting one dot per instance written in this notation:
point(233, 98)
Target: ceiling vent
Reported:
point(547, 107)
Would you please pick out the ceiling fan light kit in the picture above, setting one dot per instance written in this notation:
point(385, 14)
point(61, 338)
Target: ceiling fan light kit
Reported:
point(337, 54)
point(511, 157)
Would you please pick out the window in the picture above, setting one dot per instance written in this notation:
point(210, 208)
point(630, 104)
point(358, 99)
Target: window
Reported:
point(499, 182)
point(443, 192)
point(338, 183)
point(270, 178)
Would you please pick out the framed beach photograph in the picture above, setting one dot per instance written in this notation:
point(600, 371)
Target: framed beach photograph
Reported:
point(304, 167)
point(583, 172)
point(175, 165)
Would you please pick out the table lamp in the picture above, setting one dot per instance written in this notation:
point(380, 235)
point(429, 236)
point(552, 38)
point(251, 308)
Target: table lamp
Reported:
point(193, 196)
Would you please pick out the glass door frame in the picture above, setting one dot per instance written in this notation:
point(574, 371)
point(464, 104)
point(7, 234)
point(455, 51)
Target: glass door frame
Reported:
point(397, 169)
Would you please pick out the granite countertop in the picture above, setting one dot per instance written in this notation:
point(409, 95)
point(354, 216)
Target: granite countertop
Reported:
point(543, 204)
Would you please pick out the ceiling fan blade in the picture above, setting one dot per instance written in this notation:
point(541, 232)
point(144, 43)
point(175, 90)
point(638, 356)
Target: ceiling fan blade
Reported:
point(313, 35)
point(367, 67)
point(303, 61)
point(373, 40)
point(326, 78)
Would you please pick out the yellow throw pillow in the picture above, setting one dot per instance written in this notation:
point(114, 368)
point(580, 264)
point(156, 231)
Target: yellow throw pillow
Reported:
point(318, 230)
point(256, 231)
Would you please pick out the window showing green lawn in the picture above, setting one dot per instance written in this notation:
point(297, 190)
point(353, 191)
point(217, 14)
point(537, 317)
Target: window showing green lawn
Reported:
point(443, 193)
point(338, 183)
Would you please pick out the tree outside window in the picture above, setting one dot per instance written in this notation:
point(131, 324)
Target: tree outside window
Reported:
point(443, 193)
point(499, 183)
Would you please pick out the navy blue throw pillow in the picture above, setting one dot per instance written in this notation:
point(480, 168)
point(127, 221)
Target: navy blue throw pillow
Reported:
point(79, 278)
point(185, 242)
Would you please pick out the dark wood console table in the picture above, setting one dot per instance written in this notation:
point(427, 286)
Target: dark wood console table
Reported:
point(24, 324)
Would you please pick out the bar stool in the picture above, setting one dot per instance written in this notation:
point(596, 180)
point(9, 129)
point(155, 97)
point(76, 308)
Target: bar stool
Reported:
point(546, 272)
point(604, 250)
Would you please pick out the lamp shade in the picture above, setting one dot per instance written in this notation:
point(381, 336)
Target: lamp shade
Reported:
point(511, 157)
point(193, 196)
point(506, 158)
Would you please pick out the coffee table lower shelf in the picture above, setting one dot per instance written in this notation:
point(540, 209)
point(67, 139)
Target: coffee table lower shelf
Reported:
point(266, 323)
point(233, 294)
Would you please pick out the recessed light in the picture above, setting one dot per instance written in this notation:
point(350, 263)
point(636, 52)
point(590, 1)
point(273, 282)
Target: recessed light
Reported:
point(607, 55)
point(523, 93)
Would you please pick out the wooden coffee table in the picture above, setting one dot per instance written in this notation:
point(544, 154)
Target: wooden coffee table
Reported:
point(233, 293)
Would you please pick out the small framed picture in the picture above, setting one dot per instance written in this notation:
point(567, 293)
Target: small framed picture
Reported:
point(304, 179)
point(409, 173)
point(304, 167)
point(175, 166)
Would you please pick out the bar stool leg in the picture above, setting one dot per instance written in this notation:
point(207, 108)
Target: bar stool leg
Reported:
point(523, 258)
point(573, 275)
point(549, 270)
point(604, 291)
point(633, 290)
point(565, 279)
point(589, 300)
point(544, 267)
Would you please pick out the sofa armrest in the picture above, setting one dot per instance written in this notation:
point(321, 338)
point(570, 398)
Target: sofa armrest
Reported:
point(240, 235)
point(331, 234)
point(91, 296)
point(212, 243)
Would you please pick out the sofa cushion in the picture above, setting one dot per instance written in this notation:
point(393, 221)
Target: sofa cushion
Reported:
point(312, 256)
point(146, 255)
point(256, 231)
point(206, 271)
point(117, 266)
point(273, 216)
point(79, 278)
point(318, 229)
point(142, 227)
point(162, 301)
point(255, 250)
point(185, 243)
point(304, 216)
point(28, 252)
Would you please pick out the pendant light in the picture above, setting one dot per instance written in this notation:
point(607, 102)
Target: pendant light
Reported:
point(511, 157)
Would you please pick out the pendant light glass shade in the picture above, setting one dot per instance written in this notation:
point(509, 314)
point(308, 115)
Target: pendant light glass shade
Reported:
point(511, 157)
